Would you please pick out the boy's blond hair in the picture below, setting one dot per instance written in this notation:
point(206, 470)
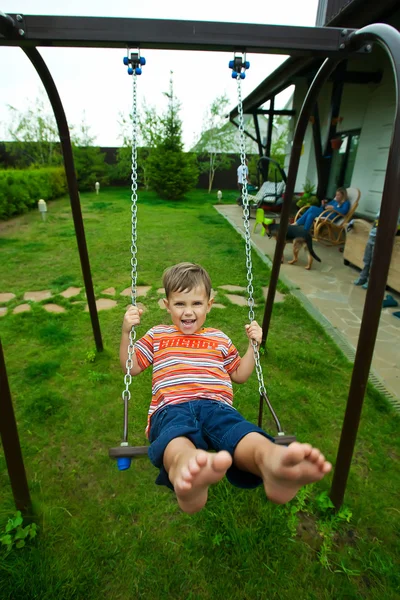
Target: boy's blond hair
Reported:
point(186, 276)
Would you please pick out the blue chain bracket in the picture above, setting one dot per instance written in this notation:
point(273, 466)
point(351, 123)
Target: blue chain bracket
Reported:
point(134, 62)
point(239, 65)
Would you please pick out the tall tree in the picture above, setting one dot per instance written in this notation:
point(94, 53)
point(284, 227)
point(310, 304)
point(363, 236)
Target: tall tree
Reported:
point(149, 126)
point(216, 140)
point(89, 160)
point(171, 172)
point(34, 136)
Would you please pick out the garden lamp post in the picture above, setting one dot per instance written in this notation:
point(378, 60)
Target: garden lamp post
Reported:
point(42, 206)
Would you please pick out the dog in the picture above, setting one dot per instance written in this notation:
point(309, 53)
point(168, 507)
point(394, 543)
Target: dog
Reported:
point(299, 237)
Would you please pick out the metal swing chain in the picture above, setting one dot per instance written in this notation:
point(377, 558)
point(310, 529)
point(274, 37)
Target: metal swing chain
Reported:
point(246, 223)
point(132, 334)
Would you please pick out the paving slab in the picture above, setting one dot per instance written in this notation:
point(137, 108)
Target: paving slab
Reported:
point(71, 292)
point(238, 300)
point(38, 296)
point(232, 288)
point(22, 308)
point(7, 296)
point(103, 304)
point(278, 296)
point(3, 311)
point(141, 290)
point(54, 308)
point(109, 291)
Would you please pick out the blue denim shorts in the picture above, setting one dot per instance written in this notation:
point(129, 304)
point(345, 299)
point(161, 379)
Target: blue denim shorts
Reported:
point(209, 425)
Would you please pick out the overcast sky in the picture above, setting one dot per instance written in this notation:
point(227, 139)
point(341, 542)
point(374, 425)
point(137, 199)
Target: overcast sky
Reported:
point(93, 83)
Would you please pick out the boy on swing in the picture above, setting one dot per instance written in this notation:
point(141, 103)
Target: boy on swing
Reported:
point(191, 409)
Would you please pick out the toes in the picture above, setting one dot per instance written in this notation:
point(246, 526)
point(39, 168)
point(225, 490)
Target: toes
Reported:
point(194, 465)
point(314, 455)
point(183, 485)
point(186, 475)
point(222, 461)
point(201, 458)
point(327, 467)
point(307, 448)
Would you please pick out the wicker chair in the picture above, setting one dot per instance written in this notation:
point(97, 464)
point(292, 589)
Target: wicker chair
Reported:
point(332, 230)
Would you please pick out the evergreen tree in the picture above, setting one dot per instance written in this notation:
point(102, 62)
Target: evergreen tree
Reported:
point(169, 170)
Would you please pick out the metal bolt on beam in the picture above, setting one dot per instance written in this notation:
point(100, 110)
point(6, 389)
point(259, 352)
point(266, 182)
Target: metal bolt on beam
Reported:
point(21, 32)
point(19, 18)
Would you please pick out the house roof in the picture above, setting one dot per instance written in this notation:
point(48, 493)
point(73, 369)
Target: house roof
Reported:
point(354, 14)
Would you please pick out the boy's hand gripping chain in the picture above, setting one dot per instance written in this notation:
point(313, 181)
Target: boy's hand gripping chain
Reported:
point(239, 64)
point(124, 453)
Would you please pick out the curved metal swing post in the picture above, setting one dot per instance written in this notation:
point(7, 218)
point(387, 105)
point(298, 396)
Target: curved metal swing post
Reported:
point(63, 131)
point(281, 438)
point(124, 453)
point(389, 39)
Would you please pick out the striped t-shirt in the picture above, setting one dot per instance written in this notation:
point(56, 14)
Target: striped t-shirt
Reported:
point(187, 367)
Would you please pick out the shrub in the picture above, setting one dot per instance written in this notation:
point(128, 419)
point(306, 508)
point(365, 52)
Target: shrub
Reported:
point(20, 190)
point(171, 173)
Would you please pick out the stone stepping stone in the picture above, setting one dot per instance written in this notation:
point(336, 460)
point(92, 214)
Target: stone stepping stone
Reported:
point(232, 288)
point(141, 290)
point(21, 308)
point(70, 292)
point(38, 296)
point(216, 305)
point(238, 300)
point(161, 304)
point(6, 297)
point(139, 305)
point(3, 311)
point(109, 291)
point(278, 296)
point(103, 304)
point(54, 308)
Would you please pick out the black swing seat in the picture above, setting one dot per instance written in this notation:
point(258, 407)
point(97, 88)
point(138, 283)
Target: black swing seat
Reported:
point(128, 452)
point(284, 440)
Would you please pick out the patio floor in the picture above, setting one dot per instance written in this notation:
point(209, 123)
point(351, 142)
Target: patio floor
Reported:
point(328, 292)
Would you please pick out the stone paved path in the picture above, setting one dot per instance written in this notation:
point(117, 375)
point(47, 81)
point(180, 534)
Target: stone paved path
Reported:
point(330, 290)
point(240, 298)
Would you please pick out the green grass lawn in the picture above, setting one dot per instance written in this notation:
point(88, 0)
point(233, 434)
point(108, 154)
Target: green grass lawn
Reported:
point(105, 534)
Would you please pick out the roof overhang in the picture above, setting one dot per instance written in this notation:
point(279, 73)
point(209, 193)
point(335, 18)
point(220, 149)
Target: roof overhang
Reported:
point(357, 14)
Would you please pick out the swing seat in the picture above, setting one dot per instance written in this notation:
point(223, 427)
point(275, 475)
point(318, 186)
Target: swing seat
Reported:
point(284, 440)
point(124, 455)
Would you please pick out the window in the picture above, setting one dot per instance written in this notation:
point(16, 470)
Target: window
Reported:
point(343, 160)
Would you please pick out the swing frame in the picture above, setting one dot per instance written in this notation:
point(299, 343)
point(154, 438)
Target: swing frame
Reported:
point(30, 31)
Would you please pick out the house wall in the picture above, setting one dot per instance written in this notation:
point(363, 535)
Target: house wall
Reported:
point(370, 168)
point(369, 108)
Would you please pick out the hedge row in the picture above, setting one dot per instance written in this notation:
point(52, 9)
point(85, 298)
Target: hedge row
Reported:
point(20, 190)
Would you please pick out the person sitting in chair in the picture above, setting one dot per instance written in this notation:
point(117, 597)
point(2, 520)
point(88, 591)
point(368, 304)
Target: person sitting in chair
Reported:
point(340, 204)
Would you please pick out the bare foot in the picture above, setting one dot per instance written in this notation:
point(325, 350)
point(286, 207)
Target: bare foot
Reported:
point(193, 473)
point(286, 469)
point(292, 262)
point(307, 268)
